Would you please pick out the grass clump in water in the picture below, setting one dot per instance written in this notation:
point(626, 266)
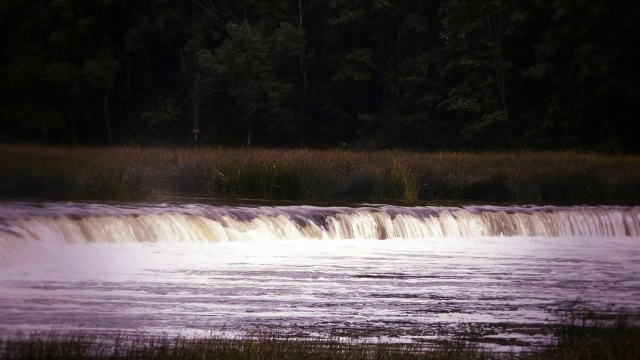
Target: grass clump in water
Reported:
point(400, 183)
point(585, 334)
point(267, 347)
point(579, 336)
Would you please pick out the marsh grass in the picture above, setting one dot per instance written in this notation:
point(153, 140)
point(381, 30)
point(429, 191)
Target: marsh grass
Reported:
point(76, 346)
point(580, 335)
point(585, 334)
point(130, 173)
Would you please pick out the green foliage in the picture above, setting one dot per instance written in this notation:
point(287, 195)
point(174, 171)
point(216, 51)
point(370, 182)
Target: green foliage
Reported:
point(429, 75)
point(357, 65)
point(252, 66)
point(478, 38)
point(100, 72)
point(33, 117)
point(166, 112)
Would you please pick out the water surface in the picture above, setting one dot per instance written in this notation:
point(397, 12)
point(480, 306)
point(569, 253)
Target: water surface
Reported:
point(376, 272)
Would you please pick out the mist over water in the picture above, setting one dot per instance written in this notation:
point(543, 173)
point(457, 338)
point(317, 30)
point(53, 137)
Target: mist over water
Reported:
point(368, 272)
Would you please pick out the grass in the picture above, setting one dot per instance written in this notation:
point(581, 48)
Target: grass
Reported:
point(131, 173)
point(585, 334)
point(581, 336)
point(75, 346)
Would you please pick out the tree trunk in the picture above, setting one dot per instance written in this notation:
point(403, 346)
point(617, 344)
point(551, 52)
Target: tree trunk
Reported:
point(107, 119)
point(196, 120)
point(249, 135)
point(245, 119)
point(194, 94)
point(496, 34)
point(305, 81)
point(128, 75)
point(305, 85)
point(128, 94)
point(72, 120)
point(74, 137)
point(105, 45)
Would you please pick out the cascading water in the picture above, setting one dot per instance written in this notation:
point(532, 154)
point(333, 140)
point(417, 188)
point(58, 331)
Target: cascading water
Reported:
point(77, 223)
point(319, 270)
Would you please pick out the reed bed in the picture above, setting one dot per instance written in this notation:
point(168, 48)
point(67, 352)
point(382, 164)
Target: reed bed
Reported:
point(134, 173)
point(76, 346)
point(587, 336)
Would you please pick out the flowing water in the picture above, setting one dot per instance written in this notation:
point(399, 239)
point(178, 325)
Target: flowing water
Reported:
point(365, 272)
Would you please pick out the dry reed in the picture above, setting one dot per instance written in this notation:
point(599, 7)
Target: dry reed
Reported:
point(132, 173)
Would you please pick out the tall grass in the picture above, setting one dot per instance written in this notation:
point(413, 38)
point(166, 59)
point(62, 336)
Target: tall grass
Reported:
point(585, 336)
point(130, 173)
point(78, 346)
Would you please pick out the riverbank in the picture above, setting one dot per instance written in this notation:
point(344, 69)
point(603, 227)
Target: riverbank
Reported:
point(138, 174)
point(585, 336)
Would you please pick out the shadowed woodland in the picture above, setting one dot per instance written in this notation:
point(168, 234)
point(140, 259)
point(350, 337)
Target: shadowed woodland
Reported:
point(374, 74)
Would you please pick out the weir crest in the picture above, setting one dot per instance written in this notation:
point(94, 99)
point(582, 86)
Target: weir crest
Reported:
point(98, 223)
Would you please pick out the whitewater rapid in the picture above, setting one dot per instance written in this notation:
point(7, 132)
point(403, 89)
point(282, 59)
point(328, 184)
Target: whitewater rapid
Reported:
point(368, 271)
point(90, 223)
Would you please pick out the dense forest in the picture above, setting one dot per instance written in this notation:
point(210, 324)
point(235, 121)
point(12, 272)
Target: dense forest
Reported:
point(367, 74)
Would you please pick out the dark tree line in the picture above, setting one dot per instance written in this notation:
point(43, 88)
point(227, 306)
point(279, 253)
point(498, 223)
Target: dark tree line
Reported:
point(439, 74)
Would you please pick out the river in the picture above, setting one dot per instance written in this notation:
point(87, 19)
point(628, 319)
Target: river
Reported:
point(365, 272)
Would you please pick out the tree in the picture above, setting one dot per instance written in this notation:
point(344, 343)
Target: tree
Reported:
point(476, 36)
point(584, 64)
point(375, 74)
point(296, 14)
point(250, 65)
point(413, 80)
point(27, 111)
point(357, 40)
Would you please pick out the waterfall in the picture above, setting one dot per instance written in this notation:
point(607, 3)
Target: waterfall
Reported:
point(99, 223)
